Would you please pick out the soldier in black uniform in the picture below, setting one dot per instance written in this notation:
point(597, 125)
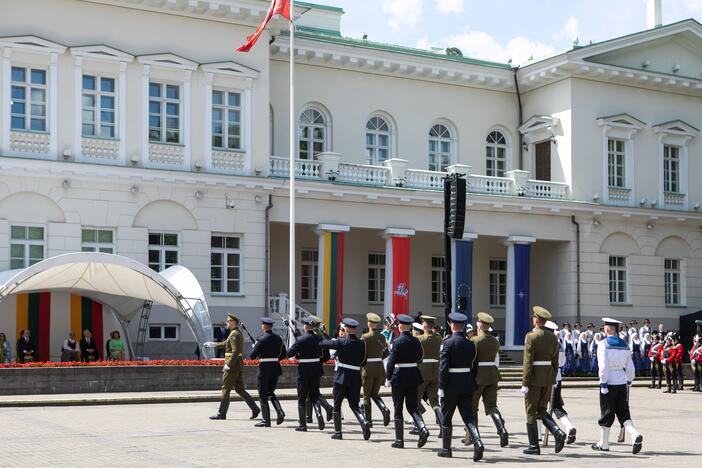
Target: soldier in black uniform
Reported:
point(458, 367)
point(310, 357)
point(404, 377)
point(269, 350)
point(319, 331)
point(350, 356)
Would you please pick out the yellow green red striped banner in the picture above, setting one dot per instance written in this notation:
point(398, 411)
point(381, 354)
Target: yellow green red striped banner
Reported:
point(332, 278)
point(86, 314)
point(33, 313)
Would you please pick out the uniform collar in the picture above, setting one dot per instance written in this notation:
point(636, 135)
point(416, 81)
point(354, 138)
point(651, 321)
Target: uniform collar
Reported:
point(408, 333)
point(351, 336)
point(268, 331)
point(458, 333)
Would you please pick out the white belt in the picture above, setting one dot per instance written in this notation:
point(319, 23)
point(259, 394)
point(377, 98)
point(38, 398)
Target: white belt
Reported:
point(374, 359)
point(486, 364)
point(305, 361)
point(459, 370)
point(268, 359)
point(348, 366)
point(429, 361)
point(410, 364)
point(542, 363)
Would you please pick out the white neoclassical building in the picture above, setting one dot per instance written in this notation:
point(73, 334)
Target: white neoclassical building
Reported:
point(132, 127)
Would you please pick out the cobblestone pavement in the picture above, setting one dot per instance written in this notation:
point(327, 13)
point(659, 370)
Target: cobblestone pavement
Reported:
point(180, 435)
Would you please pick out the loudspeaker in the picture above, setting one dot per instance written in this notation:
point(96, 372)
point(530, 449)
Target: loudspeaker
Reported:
point(454, 206)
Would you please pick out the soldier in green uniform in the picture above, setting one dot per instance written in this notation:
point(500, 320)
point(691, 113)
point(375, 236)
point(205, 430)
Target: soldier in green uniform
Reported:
point(538, 378)
point(429, 367)
point(233, 373)
point(488, 356)
point(373, 373)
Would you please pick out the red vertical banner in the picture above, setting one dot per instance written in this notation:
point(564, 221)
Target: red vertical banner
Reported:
point(400, 275)
point(44, 338)
point(96, 316)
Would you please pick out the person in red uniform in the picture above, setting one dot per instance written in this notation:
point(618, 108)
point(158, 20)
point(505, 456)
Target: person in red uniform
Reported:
point(667, 360)
point(678, 366)
point(654, 355)
point(696, 363)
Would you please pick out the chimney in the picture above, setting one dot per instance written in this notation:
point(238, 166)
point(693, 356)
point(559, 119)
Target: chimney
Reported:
point(654, 14)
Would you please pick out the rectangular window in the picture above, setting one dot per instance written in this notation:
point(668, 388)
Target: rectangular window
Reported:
point(98, 107)
point(671, 169)
point(163, 250)
point(164, 113)
point(438, 280)
point(226, 120)
point(97, 240)
point(164, 332)
point(225, 264)
point(376, 278)
point(498, 282)
point(309, 270)
point(617, 280)
point(672, 282)
point(616, 155)
point(28, 99)
point(495, 161)
point(26, 246)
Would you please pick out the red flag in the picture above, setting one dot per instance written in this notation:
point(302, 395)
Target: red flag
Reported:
point(278, 7)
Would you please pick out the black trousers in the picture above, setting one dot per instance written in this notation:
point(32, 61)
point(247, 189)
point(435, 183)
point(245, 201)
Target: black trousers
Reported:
point(307, 387)
point(656, 371)
point(464, 402)
point(614, 403)
point(406, 395)
point(558, 409)
point(679, 367)
point(266, 388)
point(352, 393)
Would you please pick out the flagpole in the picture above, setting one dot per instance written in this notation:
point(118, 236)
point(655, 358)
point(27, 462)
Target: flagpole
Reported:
point(291, 273)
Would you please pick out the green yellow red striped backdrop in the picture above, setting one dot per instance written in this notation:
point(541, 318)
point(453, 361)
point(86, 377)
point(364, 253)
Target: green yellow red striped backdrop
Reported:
point(34, 314)
point(86, 314)
point(332, 275)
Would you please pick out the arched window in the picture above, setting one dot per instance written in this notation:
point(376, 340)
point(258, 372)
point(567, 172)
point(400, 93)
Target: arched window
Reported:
point(440, 147)
point(495, 154)
point(313, 134)
point(377, 140)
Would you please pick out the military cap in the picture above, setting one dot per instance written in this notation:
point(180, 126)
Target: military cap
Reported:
point(309, 320)
point(611, 321)
point(698, 322)
point(233, 317)
point(675, 337)
point(267, 321)
point(373, 318)
point(418, 326)
point(349, 322)
point(485, 318)
point(316, 319)
point(457, 317)
point(405, 319)
point(551, 325)
point(469, 328)
point(541, 312)
point(427, 318)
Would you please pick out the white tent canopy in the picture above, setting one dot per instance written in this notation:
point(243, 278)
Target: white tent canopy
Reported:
point(118, 282)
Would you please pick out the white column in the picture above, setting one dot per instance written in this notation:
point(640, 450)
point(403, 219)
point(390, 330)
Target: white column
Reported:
point(145, 114)
point(122, 112)
point(53, 105)
point(510, 309)
point(186, 118)
point(389, 234)
point(248, 130)
point(5, 100)
point(207, 144)
point(77, 107)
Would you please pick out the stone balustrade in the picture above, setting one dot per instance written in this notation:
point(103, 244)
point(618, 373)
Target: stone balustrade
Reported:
point(29, 142)
point(619, 196)
point(99, 150)
point(674, 200)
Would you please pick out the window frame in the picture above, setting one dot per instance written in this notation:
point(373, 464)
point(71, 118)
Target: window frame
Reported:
point(616, 170)
point(492, 149)
point(379, 282)
point(26, 243)
point(225, 252)
point(668, 171)
point(163, 101)
point(27, 87)
point(438, 140)
point(668, 273)
point(314, 265)
point(98, 94)
point(441, 282)
point(97, 245)
point(373, 149)
point(162, 249)
point(226, 108)
point(325, 141)
point(500, 277)
point(620, 294)
point(163, 332)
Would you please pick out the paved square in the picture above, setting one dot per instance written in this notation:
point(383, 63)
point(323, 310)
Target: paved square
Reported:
point(182, 435)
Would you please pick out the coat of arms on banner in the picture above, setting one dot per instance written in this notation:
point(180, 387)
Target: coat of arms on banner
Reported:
point(402, 290)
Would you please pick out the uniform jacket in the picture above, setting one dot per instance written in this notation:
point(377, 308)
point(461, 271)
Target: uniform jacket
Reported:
point(406, 349)
point(376, 348)
point(458, 352)
point(488, 351)
point(308, 347)
point(233, 348)
point(676, 354)
point(351, 351)
point(615, 364)
point(269, 345)
point(22, 346)
point(696, 355)
point(431, 345)
point(540, 346)
point(655, 350)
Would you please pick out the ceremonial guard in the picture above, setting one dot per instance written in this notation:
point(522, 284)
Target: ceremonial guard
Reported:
point(233, 372)
point(668, 362)
point(404, 377)
point(655, 355)
point(616, 372)
point(457, 368)
point(269, 350)
point(557, 399)
point(488, 358)
point(538, 377)
point(319, 331)
point(696, 362)
point(429, 367)
point(677, 361)
point(350, 357)
point(373, 373)
point(310, 357)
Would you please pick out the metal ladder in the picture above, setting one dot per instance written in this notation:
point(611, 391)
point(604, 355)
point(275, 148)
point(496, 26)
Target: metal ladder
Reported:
point(143, 329)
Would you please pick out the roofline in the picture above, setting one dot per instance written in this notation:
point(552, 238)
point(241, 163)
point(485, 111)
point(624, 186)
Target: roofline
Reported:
point(319, 6)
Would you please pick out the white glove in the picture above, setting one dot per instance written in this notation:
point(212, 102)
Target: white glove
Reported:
point(524, 390)
point(209, 344)
point(441, 393)
point(604, 391)
point(387, 384)
point(226, 367)
point(663, 361)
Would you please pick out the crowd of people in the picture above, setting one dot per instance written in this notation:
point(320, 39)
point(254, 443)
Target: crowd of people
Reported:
point(86, 349)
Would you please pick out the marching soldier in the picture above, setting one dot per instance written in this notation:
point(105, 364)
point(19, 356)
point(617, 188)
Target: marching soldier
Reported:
point(310, 357)
point(538, 377)
point(556, 398)
point(233, 372)
point(350, 357)
point(404, 377)
point(616, 372)
point(678, 361)
point(654, 354)
point(318, 330)
point(373, 373)
point(429, 367)
point(269, 350)
point(668, 355)
point(458, 366)
point(696, 363)
point(488, 355)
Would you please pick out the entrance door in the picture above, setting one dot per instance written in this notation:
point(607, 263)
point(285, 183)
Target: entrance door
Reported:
point(542, 169)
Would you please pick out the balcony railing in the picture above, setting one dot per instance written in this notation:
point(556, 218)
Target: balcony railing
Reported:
point(546, 189)
point(425, 180)
point(304, 168)
point(490, 185)
point(362, 174)
point(674, 200)
point(619, 196)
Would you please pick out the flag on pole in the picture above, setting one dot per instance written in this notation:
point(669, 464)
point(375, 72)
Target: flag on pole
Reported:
point(278, 7)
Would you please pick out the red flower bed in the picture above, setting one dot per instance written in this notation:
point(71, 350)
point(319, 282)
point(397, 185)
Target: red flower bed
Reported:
point(163, 362)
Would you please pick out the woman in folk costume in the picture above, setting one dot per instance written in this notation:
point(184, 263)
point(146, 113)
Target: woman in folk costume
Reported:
point(635, 346)
point(646, 348)
point(584, 354)
point(596, 341)
point(569, 367)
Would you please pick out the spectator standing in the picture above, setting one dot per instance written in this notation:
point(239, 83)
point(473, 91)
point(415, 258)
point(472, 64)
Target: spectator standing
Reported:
point(5, 350)
point(70, 349)
point(116, 347)
point(645, 328)
point(88, 348)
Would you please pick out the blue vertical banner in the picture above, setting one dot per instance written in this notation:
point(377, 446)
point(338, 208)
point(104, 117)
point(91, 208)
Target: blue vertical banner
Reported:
point(462, 280)
point(522, 316)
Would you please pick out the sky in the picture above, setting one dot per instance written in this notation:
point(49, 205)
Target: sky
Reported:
point(500, 30)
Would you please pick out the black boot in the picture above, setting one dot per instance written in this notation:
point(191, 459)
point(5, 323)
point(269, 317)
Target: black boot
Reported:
point(446, 433)
point(301, 416)
point(318, 413)
point(559, 436)
point(421, 428)
point(653, 381)
point(478, 446)
point(222, 412)
point(278, 409)
point(337, 426)
point(265, 415)
point(439, 421)
point(501, 429)
point(362, 422)
point(308, 410)
point(368, 414)
point(399, 434)
point(255, 410)
point(383, 409)
point(327, 407)
point(533, 433)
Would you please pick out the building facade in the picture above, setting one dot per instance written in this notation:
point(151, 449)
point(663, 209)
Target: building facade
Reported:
point(167, 147)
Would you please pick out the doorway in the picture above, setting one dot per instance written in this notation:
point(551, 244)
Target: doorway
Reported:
point(542, 162)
